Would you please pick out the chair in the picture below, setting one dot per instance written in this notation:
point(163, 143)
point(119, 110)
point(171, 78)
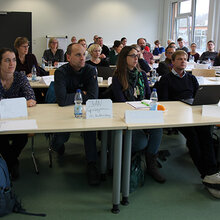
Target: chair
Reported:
point(203, 72)
point(32, 153)
point(105, 72)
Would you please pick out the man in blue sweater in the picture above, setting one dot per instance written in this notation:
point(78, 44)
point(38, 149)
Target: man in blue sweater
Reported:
point(68, 78)
point(177, 85)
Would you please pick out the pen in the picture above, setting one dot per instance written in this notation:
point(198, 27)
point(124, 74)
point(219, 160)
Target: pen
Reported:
point(145, 104)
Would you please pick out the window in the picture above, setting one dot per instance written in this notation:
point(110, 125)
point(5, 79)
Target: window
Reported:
point(190, 21)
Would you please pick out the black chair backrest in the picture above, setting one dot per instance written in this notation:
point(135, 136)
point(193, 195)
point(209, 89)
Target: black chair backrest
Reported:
point(105, 72)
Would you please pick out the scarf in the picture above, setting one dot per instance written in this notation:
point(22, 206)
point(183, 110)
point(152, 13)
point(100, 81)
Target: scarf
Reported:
point(136, 89)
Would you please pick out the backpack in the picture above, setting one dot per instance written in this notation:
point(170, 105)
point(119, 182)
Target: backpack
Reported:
point(8, 200)
point(138, 167)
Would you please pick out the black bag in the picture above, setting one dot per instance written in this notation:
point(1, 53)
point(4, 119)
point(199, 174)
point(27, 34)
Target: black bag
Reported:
point(8, 200)
point(138, 167)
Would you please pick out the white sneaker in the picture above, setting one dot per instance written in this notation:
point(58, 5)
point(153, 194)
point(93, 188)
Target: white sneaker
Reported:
point(214, 192)
point(212, 181)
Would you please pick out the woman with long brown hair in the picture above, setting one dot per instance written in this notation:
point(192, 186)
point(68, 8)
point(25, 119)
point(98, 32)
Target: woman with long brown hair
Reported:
point(130, 83)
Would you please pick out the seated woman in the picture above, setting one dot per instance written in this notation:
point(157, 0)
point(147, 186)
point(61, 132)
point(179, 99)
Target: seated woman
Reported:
point(13, 84)
point(53, 53)
point(113, 55)
point(193, 53)
point(25, 60)
point(129, 83)
point(95, 51)
point(158, 49)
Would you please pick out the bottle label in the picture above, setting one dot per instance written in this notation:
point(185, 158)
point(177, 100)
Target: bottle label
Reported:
point(78, 111)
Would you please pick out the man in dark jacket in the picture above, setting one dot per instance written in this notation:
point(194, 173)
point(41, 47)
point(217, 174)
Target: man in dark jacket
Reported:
point(177, 85)
point(68, 78)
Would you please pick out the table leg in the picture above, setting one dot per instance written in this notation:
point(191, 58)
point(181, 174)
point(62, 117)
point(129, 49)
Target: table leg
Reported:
point(117, 171)
point(126, 167)
point(104, 154)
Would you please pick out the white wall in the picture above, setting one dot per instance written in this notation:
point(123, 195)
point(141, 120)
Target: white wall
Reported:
point(110, 19)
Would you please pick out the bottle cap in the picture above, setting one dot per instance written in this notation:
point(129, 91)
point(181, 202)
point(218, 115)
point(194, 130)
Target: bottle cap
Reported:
point(154, 89)
point(78, 90)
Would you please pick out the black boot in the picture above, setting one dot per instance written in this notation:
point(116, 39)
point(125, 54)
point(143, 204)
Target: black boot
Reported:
point(152, 169)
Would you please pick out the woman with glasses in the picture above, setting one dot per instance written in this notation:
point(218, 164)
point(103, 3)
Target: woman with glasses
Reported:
point(129, 83)
point(25, 60)
point(13, 84)
point(53, 53)
point(95, 60)
point(193, 54)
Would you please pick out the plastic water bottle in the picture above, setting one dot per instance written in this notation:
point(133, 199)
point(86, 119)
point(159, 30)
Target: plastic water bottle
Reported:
point(191, 59)
point(78, 104)
point(153, 99)
point(43, 63)
point(209, 62)
point(153, 76)
point(34, 73)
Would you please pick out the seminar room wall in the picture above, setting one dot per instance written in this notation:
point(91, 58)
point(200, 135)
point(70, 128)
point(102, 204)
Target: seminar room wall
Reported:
point(110, 19)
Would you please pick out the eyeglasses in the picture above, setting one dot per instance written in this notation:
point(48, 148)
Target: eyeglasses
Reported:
point(133, 55)
point(25, 46)
point(170, 53)
point(7, 60)
point(54, 42)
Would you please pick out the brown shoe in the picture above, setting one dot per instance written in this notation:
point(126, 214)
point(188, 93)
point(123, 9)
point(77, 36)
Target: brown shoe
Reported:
point(152, 169)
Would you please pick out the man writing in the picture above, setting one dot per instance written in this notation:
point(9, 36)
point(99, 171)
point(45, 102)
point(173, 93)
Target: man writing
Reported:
point(177, 85)
point(68, 78)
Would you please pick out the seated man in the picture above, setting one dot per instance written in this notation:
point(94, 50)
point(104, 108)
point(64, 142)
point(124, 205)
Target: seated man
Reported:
point(180, 41)
point(105, 50)
point(148, 56)
point(177, 85)
point(166, 66)
point(210, 53)
point(158, 49)
point(68, 78)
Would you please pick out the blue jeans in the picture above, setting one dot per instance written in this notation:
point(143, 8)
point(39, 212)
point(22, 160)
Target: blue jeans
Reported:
point(149, 139)
point(89, 143)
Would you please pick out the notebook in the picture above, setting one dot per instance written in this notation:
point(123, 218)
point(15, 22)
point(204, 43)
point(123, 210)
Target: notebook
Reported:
point(205, 95)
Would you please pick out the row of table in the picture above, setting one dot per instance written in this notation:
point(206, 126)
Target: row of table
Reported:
point(61, 119)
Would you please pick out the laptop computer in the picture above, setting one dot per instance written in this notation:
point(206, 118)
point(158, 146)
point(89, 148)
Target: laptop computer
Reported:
point(205, 95)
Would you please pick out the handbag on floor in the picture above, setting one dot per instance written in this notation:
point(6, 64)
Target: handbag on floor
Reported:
point(8, 200)
point(138, 167)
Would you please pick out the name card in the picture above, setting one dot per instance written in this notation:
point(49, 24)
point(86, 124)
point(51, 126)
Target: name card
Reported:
point(211, 111)
point(141, 116)
point(99, 108)
point(13, 108)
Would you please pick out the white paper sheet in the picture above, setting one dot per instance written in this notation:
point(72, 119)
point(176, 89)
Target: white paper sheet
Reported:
point(211, 111)
point(13, 108)
point(139, 105)
point(14, 125)
point(99, 108)
point(47, 79)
